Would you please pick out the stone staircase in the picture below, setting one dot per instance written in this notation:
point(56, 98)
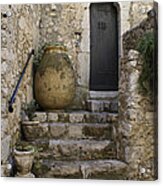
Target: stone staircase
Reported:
point(76, 144)
point(102, 102)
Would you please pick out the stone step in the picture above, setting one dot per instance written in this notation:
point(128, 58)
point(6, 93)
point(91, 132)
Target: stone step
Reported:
point(75, 117)
point(96, 169)
point(82, 149)
point(74, 149)
point(35, 130)
point(102, 105)
point(103, 95)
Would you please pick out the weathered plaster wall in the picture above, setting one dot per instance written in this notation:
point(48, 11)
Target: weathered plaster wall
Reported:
point(19, 34)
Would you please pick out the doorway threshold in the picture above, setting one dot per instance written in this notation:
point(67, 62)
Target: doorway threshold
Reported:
point(103, 94)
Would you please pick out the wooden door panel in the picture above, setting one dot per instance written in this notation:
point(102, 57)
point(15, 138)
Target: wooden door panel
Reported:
point(104, 47)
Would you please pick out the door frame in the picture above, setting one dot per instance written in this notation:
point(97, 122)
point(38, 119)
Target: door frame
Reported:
point(84, 54)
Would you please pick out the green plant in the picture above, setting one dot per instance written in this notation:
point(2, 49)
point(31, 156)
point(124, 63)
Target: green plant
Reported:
point(25, 146)
point(146, 46)
point(31, 108)
point(21, 147)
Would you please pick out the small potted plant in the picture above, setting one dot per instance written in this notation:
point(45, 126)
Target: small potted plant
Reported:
point(24, 156)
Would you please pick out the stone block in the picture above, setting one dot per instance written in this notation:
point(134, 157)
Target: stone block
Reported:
point(97, 131)
point(114, 106)
point(150, 117)
point(83, 69)
point(112, 117)
point(40, 116)
point(107, 95)
point(96, 117)
point(52, 117)
point(56, 169)
point(94, 169)
point(107, 169)
point(22, 23)
point(75, 131)
point(3, 106)
point(4, 68)
point(133, 55)
point(4, 127)
point(35, 130)
point(4, 54)
point(133, 63)
point(85, 42)
point(5, 148)
point(107, 105)
point(63, 117)
point(58, 130)
point(5, 170)
point(95, 105)
point(80, 95)
point(53, 7)
point(86, 21)
point(81, 149)
point(76, 117)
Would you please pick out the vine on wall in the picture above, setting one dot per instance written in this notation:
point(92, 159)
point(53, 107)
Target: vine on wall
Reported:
point(145, 46)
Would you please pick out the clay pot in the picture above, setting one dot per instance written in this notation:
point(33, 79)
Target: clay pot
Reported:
point(54, 79)
point(24, 161)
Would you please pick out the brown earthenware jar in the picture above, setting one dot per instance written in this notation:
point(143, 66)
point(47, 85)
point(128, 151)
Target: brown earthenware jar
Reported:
point(54, 82)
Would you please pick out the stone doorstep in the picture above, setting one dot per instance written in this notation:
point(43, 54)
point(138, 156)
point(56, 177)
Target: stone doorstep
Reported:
point(107, 95)
point(75, 117)
point(93, 169)
point(102, 106)
point(35, 130)
point(75, 149)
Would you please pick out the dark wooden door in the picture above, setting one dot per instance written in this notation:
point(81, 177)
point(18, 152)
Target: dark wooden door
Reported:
point(103, 47)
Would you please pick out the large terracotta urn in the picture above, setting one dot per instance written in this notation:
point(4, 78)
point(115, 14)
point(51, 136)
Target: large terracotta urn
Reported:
point(54, 79)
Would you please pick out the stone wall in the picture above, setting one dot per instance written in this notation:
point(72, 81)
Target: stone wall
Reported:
point(130, 38)
point(137, 131)
point(69, 23)
point(19, 34)
point(133, 12)
point(63, 23)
